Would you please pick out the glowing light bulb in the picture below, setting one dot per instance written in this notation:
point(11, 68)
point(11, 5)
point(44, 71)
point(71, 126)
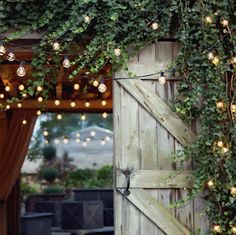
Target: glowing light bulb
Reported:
point(117, 52)
point(225, 150)
point(57, 102)
point(233, 108)
point(220, 104)
point(95, 83)
point(38, 112)
point(11, 56)
point(104, 103)
point(85, 143)
point(88, 139)
point(225, 22)
point(24, 95)
point(76, 86)
point(39, 88)
point(108, 138)
point(56, 141)
point(7, 88)
point(21, 87)
point(21, 70)
point(208, 19)
point(40, 99)
point(83, 117)
point(19, 105)
point(2, 49)
point(103, 142)
point(66, 62)
point(162, 79)
point(56, 46)
point(45, 133)
point(104, 115)
point(216, 60)
point(155, 25)
point(220, 144)
point(210, 56)
point(72, 104)
point(233, 60)
point(233, 191)
point(217, 228)
point(8, 106)
point(86, 19)
point(46, 141)
point(2, 96)
point(77, 134)
point(77, 140)
point(210, 183)
point(24, 122)
point(92, 133)
point(233, 230)
point(87, 104)
point(102, 87)
point(59, 116)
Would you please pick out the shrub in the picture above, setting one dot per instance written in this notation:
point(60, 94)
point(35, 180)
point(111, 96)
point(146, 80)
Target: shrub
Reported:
point(49, 173)
point(49, 153)
point(53, 189)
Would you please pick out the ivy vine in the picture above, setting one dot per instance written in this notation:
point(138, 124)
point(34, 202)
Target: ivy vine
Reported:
point(207, 61)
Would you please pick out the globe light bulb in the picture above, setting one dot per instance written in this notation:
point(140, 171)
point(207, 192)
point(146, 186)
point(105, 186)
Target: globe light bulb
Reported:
point(7, 88)
point(24, 122)
point(2, 96)
point(11, 56)
point(24, 95)
point(210, 56)
point(57, 102)
point(108, 138)
point(103, 142)
point(104, 115)
point(225, 22)
point(104, 103)
point(39, 88)
point(72, 104)
point(210, 183)
point(38, 112)
point(83, 117)
point(220, 104)
point(86, 19)
point(233, 230)
point(162, 79)
point(21, 70)
point(117, 52)
point(40, 99)
point(208, 19)
point(46, 141)
point(233, 60)
point(233, 108)
point(85, 143)
point(216, 60)
point(87, 104)
point(65, 140)
point(88, 139)
point(77, 140)
point(225, 149)
point(92, 133)
point(8, 106)
point(56, 46)
point(2, 49)
point(76, 86)
point(66, 62)
point(95, 83)
point(19, 105)
point(21, 87)
point(217, 228)
point(59, 116)
point(77, 134)
point(56, 141)
point(155, 26)
point(102, 87)
point(45, 133)
point(220, 144)
point(233, 191)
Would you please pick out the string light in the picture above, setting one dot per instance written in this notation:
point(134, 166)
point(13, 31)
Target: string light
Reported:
point(210, 183)
point(21, 70)
point(103, 142)
point(11, 56)
point(59, 116)
point(77, 140)
point(72, 104)
point(162, 79)
point(2, 49)
point(85, 143)
point(40, 99)
point(19, 105)
point(93, 133)
point(95, 83)
point(77, 134)
point(83, 117)
point(233, 108)
point(102, 87)
point(220, 104)
point(21, 87)
point(8, 106)
point(76, 86)
point(7, 88)
point(233, 191)
point(46, 141)
point(56, 46)
point(24, 122)
point(2, 96)
point(56, 141)
point(24, 95)
point(217, 228)
point(233, 60)
point(155, 25)
point(220, 144)
point(233, 230)
point(45, 133)
point(104, 115)
point(225, 22)
point(208, 19)
point(65, 140)
point(87, 104)
point(57, 102)
point(66, 62)
point(39, 88)
point(117, 52)
point(216, 60)
point(38, 112)
point(88, 139)
point(104, 103)
point(86, 19)
point(225, 150)
point(108, 138)
point(210, 56)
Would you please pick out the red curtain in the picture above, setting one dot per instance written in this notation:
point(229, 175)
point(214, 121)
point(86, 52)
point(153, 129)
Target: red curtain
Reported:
point(14, 141)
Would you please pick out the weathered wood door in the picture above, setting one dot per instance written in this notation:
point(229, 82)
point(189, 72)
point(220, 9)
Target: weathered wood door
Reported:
point(147, 133)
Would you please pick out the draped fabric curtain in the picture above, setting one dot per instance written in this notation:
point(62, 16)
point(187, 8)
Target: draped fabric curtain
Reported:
point(14, 141)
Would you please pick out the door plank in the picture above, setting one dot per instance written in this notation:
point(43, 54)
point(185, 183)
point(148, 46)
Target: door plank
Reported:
point(159, 110)
point(156, 212)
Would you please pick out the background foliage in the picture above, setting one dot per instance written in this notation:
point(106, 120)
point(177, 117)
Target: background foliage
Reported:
point(126, 25)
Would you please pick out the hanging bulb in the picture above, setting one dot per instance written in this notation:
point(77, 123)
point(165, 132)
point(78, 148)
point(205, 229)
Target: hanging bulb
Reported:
point(72, 104)
point(162, 79)
point(57, 102)
point(2, 96)
point(210, 183)
point(83, 117)
point(155, 26)
point(21, 87)
point(19, 105)
point(39, 88)
point(77, 140)
point(216, 60)
point(225, 150)
point(38, 112)
point(104, 102)
point(85, 143)
point(24, 122)
point(104, 115)
point(8, 106)
point(217, 228)
point(225, 22)
point(76, 86)
point(233, 60)
point(103, 142)
point(208, 19)
point(2, 49)
point(210, 56)
point(220, 104)
point(95, 83)
point(220, 144)
point(45, 133)
point(21, 70)
point(59, 116)
point(77, 134)
point(92, 133)
point(40, 99)
point(11, 56)
point(233, 108)
point(108, 138)
point(65, 140)
point(87, 104)
point(24, 95)
point(233, 229)
point(56, 46)
point(117, 52)
point(7, 88)
point(86, 19)
point(233, 191)
point(66, 62)
point(102, 87)
point(46, 141)
point(56, 141)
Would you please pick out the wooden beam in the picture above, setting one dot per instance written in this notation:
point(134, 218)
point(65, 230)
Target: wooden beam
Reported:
point(154, 211)
point(152, 179)
point(59, 84)
point(95, 106)
point(159, 110)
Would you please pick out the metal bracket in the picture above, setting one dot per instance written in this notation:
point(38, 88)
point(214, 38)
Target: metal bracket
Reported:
point(127, 174)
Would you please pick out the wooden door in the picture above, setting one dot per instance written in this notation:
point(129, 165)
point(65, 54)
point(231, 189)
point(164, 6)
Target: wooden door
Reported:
point(147, 134)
